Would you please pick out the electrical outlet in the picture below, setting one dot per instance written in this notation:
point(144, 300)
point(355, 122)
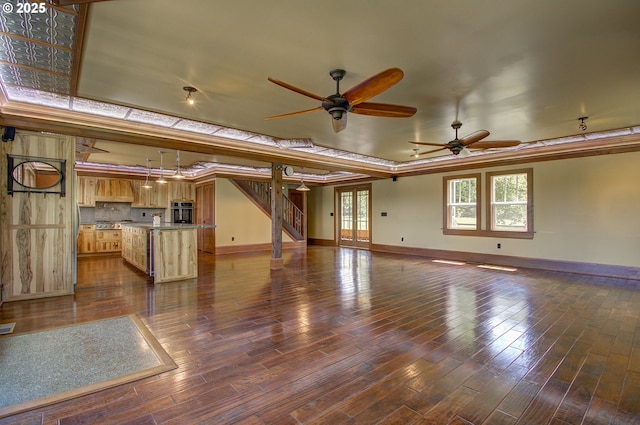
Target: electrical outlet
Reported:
point(402, 239)
point(233, 238)
point(499, 245)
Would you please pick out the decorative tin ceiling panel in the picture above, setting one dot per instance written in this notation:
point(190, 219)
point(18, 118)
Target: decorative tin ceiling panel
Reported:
point(196, 127)
point(99, 108)
point(27, 95)
point(40, 45)
point(151, 118)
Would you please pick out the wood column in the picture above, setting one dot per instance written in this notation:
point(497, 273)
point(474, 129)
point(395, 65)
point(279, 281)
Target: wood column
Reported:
point(276, 216)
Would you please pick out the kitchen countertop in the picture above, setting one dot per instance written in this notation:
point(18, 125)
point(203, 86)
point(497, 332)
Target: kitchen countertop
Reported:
point(169, 226)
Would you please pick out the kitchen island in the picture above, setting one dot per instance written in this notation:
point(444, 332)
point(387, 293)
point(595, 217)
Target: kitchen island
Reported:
point(167, 252)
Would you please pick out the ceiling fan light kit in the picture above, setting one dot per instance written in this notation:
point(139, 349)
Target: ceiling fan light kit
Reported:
point(353, 100)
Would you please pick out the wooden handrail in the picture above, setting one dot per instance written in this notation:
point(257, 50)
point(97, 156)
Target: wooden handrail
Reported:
point(291, 214)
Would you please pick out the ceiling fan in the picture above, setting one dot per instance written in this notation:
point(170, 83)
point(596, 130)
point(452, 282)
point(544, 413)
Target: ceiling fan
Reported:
point(354, 99)
point(470, 141)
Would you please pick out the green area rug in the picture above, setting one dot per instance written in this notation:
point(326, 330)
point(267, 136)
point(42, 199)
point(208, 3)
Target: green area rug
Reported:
point(41, 368)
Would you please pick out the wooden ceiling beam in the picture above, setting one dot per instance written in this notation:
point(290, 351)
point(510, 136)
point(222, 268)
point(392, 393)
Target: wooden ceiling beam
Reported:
point(78, 48)
point(285, 156)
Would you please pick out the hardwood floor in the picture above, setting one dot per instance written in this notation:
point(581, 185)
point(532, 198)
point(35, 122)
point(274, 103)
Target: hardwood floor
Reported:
point(352, 337)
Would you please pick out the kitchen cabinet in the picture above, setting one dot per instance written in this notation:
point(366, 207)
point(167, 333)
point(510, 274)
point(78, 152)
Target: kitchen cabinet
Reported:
point(135, 246)
point(181, 191)
point(86, 243)
point(86, 191)
point(170, 251)
point(113, 190)
point(155, 197)
point(205, 214)
point(108, 240)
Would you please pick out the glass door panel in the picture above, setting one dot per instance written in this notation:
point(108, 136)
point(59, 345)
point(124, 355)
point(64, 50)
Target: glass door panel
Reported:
point(354, 221)
point(362, 218)
point(346, 218)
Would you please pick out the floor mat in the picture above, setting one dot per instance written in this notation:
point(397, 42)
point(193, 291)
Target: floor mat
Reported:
point(7, 328)
point(41, 368)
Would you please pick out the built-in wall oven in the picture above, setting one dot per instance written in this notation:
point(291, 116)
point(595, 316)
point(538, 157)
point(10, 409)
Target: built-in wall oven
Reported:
point(182, 212)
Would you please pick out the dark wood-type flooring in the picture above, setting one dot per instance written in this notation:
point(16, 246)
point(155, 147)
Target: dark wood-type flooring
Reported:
point(345, 336)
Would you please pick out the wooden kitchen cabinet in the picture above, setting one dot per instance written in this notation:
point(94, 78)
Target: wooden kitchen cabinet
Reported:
point(109, 240)
point(155, 197)
point(86, 191)
point(135, 246)
point(86, 243)
point(181, 191)
point(113, 190)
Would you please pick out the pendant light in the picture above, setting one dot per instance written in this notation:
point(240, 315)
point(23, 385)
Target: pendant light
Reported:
point(146, 184)
point(178, 174)
point(161, 179)
point(303, 187)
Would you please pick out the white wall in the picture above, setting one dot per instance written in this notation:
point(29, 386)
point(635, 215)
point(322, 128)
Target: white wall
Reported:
point(585, 210)
point(238, 218)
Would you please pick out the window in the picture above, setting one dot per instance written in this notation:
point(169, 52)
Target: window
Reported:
point(510, 202)
point(461, 204)
point(507, 205)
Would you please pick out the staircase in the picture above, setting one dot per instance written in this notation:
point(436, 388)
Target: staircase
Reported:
point(260, 193)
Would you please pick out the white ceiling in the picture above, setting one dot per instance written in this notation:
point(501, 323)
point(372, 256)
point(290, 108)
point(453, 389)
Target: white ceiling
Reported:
point(523, 69)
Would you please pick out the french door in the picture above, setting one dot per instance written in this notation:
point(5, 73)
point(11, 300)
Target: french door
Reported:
point(354, 218)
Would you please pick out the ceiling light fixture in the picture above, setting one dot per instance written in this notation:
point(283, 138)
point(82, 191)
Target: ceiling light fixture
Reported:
point(415, 153)
point(161, 179)
point(146, 184)
point(464, 152)
point(190, 90)
point(178, 174)
point(303, 187)
point(582, 126)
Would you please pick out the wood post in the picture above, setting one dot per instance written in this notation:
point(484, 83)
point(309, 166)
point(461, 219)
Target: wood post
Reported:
point(276, 216)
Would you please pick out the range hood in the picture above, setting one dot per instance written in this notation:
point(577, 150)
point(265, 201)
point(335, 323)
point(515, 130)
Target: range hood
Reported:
point(113, 190)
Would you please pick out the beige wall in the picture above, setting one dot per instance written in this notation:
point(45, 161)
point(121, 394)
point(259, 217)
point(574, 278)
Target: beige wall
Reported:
point(320, 206)
point(238, 218)
point(585, 210)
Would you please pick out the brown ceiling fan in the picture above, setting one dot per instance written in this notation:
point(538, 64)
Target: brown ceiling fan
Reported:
point(354, 99)
point(470, 141)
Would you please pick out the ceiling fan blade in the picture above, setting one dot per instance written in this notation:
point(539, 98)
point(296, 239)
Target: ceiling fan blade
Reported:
point(431, 151)
point(339, 125)
point(293, 114)
point(383, 110)
point(474, 137)
point(428, 144)
point(495, 144)
point(299, 90)
point(373, 86)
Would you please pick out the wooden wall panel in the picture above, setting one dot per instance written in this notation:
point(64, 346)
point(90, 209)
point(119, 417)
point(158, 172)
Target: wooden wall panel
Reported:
point(37, 238)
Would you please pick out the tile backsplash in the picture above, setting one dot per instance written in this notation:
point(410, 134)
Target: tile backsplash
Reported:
point(118, 211)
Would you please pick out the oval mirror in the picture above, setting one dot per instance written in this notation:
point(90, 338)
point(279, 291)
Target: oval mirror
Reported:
point(36, 175)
